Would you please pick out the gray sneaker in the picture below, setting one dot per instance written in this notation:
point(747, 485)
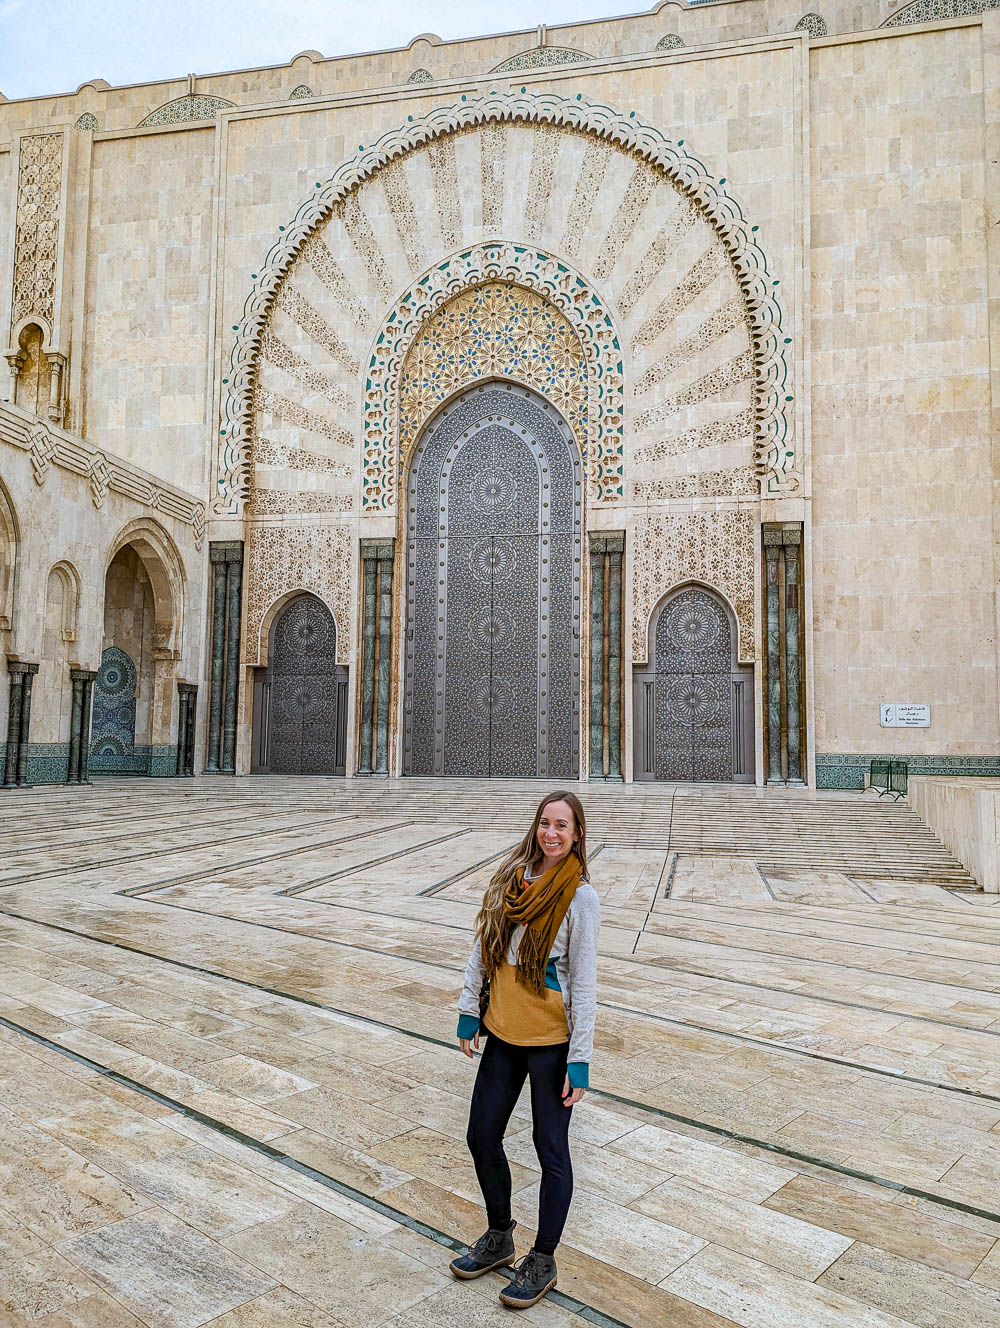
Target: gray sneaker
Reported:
point(493, 1249)
point(534, 1277)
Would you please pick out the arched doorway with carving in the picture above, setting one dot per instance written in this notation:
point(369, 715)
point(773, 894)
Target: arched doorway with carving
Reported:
point(693, 701)
point(493, 576)
point(300, 697)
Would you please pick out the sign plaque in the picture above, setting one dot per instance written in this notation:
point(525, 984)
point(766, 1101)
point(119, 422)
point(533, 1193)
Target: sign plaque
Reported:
point(905, 716)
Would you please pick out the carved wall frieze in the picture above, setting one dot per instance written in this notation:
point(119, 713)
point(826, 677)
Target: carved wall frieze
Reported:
point(713, 547)
point(286, 558)
point(36, 236)
point(49, 446)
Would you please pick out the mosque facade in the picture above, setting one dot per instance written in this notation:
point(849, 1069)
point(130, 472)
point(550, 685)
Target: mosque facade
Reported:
point(610, 401)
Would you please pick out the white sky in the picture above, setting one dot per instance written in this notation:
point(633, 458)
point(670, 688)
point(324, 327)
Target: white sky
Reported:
point(50, 46)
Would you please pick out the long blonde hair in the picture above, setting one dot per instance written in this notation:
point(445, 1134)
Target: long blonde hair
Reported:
point(493, 928)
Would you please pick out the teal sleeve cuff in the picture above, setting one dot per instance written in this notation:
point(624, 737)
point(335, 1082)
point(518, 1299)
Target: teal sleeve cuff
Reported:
point(468, 1026)
point(579, 1074)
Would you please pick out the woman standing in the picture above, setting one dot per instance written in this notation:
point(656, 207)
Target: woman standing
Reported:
point(536, 947)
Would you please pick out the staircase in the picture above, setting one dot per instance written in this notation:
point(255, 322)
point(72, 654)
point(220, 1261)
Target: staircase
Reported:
point(781, 829)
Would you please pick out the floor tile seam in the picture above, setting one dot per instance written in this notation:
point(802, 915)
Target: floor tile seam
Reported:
point(712, 977)
point(132, 832)
point(295, 891)
point(457, 876)
point(944, 916)
point(661, 1112)
point(830, 1000)
point(144, 857)
point(260, 1146)
point(778, 931)
point(138, 891)
point(388, 954)
point(832, 963)
point(784, 1048)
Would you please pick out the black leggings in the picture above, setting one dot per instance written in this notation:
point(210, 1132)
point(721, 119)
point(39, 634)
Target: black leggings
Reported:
point(502, 1072)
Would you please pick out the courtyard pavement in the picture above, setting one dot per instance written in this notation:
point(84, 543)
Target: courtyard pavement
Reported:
point(230, 1092)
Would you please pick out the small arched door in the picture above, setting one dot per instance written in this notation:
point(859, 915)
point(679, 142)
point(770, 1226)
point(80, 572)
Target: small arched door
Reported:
point(693, 711)
point(300, 699)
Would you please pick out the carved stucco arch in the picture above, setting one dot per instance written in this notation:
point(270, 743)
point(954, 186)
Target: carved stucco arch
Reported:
point(10, 543)
point(270, 615)
point(163, 565)
point(601, 448)
point(773, 426)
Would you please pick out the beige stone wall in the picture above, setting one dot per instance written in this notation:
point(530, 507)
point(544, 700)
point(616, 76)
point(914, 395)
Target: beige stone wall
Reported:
point(146, 334)
point(903, 566)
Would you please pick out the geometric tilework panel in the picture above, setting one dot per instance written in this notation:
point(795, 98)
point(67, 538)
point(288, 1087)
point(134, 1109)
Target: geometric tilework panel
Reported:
point(493, 331)
point(112, 735)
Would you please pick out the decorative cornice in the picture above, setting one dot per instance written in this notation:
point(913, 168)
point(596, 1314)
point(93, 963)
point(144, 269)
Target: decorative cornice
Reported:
point(774, 433)
point(48, 445)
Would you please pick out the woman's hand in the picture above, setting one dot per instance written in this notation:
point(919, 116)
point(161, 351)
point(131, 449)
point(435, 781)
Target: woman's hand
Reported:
point(467, 1046)
point(571, 1096)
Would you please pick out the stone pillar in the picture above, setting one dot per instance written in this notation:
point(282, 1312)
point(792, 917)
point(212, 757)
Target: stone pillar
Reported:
point(377, 561)
point(57, 365)
point(784, 662)
point(79, 733)
point(226, 559)
point(607, 550)
point(188, 694)
point(18, 722)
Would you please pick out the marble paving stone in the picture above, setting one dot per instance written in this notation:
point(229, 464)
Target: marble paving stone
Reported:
point(756, 1295)
point(250, 1078)
point(354, 1276)
point(277, 1309)
point(798, 1247)
point(875, 1220)
point(915, 1293)
point(58, 1194)
point(167, 1274)
point(366, 1173)
point(215, 1197)
point(641, 1245)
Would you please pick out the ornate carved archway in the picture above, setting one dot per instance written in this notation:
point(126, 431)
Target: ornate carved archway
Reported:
point(707, 194)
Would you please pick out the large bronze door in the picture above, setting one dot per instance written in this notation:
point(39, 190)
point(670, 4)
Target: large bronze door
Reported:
point(300, 699)
point(693, 711)
point(493, 591)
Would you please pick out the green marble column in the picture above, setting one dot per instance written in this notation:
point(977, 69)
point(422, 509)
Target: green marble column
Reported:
point(607, 549)
point(86, 707)
point(18, 722)
point(188, 697)
point(377, 563)
point(226, 558)
point(218, 564)
point(597, 627)
point(234, 609)
point(793, 727)
point(79, 730)
point(783, 657)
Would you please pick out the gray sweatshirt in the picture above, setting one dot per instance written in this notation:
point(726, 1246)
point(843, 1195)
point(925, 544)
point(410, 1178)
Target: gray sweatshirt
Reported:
point(574, 953)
